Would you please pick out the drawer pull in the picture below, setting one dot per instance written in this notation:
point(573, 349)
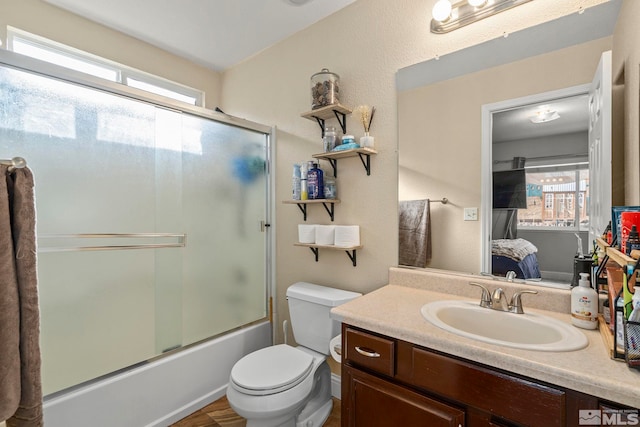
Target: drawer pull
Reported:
point(367, 352)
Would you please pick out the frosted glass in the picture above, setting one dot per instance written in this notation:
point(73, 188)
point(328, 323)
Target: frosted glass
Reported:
point(109, 164)
point(224, 193)
point(95, 319)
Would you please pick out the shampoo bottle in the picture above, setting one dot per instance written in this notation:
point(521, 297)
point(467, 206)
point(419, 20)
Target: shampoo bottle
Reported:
point(584, 304)
point(315, 182)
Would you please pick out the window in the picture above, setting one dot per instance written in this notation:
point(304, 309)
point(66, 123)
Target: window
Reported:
point(55, 53)
point(551, 196)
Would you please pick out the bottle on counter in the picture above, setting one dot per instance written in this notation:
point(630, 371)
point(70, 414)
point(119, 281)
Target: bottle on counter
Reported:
point(315, 182)
point(606, 235)
point(584, 304)
point(633, 241)
point(297, 182)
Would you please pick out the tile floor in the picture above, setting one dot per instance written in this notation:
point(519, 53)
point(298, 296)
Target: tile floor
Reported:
point(219, 414)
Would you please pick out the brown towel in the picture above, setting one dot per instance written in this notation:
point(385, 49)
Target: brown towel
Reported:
point(20, 380)
point(415, 233)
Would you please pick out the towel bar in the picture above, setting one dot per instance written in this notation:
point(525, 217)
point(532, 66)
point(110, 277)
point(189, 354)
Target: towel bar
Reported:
point(444, 201)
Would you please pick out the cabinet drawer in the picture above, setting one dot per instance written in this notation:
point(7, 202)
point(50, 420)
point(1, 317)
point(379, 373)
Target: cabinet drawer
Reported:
point(510, 397)
point(369, 351)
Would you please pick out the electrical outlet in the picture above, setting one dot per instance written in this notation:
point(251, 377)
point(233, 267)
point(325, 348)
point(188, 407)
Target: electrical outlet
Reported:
point(470, 214)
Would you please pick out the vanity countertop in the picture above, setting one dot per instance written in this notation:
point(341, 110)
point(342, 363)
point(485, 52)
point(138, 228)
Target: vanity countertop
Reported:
point(394, 310)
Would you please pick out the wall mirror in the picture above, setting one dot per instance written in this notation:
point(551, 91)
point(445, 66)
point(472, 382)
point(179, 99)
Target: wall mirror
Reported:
point(456, 127)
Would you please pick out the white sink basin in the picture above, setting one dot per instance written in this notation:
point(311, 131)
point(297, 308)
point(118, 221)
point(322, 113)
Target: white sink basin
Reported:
point(527, 331)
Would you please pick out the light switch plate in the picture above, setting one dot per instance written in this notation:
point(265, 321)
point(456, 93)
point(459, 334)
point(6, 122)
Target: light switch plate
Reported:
point(470, 214)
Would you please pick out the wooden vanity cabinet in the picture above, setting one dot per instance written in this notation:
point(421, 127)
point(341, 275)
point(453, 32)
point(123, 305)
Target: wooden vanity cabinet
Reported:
point(389, 382)
point(377, 402)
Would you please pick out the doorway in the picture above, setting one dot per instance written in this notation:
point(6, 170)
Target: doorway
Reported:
point(558, 209)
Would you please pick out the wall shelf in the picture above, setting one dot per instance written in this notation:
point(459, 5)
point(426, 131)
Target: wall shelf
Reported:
point(333, 156)
point(351, 250)
point(302, 205)
point(338, 111)
point(615, 255)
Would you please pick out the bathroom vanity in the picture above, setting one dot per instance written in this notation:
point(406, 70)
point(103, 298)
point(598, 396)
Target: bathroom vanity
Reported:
point(398, 369)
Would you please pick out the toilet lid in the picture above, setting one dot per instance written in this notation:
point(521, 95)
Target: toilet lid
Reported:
point(272, 369)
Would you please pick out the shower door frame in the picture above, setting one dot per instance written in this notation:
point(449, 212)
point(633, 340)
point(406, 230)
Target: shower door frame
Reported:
point(35, 66)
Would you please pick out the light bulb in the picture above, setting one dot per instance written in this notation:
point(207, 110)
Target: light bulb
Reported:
point(441, 10)
point(476, 3)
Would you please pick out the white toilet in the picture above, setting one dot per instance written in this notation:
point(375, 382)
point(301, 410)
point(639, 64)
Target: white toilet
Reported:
point(291, 386)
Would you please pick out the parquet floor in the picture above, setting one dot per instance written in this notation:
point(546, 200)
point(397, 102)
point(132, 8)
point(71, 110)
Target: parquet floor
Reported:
point(219, 414)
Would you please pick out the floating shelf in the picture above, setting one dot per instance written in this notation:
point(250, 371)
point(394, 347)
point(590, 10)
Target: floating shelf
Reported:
point(338, 111)
point(350, 250)
point(302, 205)
point(333, 156)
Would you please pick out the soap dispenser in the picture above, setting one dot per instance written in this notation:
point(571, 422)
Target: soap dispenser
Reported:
point(584, 304)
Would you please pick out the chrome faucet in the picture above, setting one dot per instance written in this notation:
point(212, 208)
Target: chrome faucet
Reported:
point(498, 300)
point(511, 275)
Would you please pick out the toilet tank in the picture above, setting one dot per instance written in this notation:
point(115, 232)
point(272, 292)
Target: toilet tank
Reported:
point(309, 308)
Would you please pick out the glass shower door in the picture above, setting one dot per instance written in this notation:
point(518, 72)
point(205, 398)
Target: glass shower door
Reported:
point(147, 222)
point(224, 193)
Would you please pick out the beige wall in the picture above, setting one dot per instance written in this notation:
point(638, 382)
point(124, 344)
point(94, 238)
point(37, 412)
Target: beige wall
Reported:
point(626, 71)
point(365, 43)
point(440, 139)
point(40, 18)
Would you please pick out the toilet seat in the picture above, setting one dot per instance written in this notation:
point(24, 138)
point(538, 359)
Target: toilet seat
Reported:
point(271, 370)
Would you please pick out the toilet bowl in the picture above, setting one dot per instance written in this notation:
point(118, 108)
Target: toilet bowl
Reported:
point(285, 386)
point(269, 394)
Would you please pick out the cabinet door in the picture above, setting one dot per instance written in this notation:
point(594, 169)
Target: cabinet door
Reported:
point(373, 402)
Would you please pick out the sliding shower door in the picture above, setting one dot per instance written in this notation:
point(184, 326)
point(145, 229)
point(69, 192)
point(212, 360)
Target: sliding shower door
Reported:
point(148, 220)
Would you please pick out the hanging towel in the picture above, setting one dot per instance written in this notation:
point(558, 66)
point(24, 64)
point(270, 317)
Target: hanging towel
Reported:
point(20, 379)
point(415, 233)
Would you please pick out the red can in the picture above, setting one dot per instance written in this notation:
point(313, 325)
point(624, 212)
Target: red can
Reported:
point(627, 220)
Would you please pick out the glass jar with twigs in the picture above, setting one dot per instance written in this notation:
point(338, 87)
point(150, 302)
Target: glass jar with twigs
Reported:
point(364, 114)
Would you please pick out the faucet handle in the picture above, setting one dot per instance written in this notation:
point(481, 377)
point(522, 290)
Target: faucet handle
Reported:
point(516, 300)
point(485, 299)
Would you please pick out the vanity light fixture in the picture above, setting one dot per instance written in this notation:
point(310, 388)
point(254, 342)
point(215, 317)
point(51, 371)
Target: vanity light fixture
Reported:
point(448, 17)
point(441, 10)
point(544, 116)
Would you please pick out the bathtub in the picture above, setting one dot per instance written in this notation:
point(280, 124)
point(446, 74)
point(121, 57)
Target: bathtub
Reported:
point(160, 392)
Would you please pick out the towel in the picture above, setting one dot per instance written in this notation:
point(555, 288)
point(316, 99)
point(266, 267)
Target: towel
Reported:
point(516, 249)
point(20, 380)
point(415, 233)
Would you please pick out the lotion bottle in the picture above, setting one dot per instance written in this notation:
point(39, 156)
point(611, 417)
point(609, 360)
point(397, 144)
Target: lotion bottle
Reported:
point(304, 171)
point(584, 304)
